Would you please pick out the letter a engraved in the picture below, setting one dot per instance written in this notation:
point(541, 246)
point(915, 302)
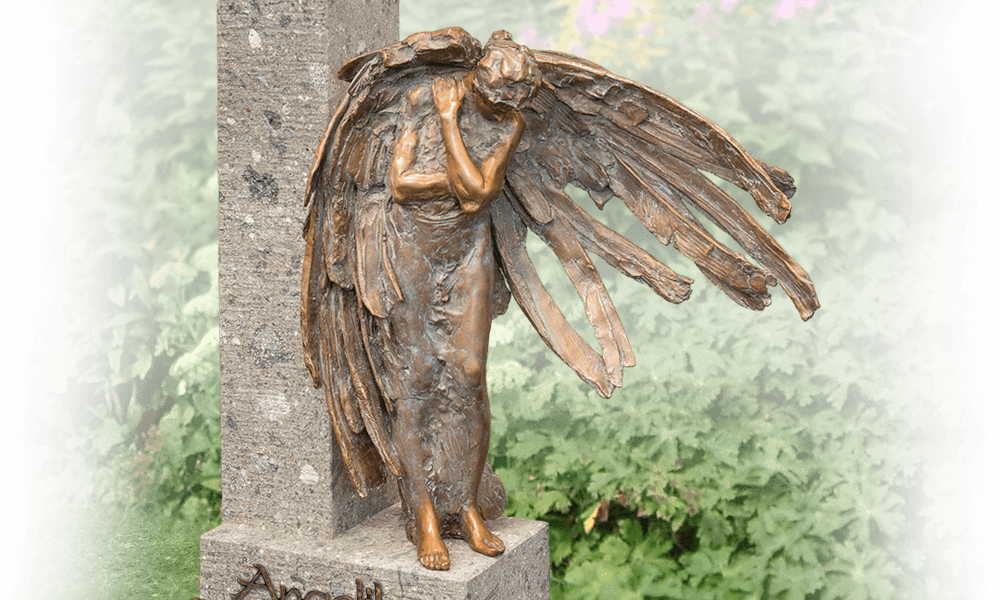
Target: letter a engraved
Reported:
point(286, 594)
point(253, 583)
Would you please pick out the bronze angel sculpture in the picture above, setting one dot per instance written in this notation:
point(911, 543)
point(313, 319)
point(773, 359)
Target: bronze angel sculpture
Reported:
point(441, 157)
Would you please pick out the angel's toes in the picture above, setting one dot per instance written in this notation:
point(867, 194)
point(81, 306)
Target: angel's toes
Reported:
point(488, 544)
point(435, 558)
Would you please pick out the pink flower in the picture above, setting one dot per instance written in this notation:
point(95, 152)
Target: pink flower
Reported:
point(728, 5)
point(592, 20)
point(786, 9)
point(829, 12)
point(703, 13)
point(646, 29)
point(529, 37)
point(589, 21)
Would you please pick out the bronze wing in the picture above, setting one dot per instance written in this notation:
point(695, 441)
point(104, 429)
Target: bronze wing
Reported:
point(347, 275)
point(614, 137)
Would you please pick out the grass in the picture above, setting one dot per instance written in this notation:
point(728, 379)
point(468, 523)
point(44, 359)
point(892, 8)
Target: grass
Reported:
point(104, 553)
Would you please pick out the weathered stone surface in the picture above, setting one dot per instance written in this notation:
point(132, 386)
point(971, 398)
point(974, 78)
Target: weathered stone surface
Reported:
point(376, 551)
point(277, 84)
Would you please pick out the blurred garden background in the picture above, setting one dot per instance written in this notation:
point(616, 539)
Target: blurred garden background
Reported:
point(749, 455)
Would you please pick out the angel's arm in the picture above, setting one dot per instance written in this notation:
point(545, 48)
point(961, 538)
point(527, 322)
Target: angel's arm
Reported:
point(406, 184)
point(473, 186)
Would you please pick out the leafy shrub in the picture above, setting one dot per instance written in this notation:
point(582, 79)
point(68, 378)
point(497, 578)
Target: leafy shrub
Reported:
point(129, 391)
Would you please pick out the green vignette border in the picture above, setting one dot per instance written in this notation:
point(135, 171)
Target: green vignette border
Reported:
point(29, 41)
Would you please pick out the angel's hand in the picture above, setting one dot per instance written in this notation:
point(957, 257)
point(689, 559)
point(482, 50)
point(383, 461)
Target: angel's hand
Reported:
point(416, 96)
point(448, 96)
point(517, 118)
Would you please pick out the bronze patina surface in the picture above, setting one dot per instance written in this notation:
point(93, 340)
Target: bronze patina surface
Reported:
point(441, 157)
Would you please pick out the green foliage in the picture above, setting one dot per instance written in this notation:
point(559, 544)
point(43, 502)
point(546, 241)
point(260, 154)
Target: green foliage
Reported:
point(748, 455)
point(148, 386)
point(88, 550)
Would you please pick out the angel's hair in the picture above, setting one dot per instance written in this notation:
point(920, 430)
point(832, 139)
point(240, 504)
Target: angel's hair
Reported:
point(508, 73)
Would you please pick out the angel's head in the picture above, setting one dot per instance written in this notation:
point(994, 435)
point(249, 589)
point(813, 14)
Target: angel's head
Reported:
point(507, 75)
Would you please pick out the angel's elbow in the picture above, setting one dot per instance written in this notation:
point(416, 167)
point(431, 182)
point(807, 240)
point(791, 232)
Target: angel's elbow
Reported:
point(398, 186)
point(474, 200)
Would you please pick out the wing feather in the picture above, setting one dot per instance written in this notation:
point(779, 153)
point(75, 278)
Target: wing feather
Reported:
point(691, 136)
point(535, 301)
point(666, 217)
point(364, 466)
point(722, 210)
point(347, 382)
point(616, 352)
point(313, 280)
point(608, 134)
point(620, 253)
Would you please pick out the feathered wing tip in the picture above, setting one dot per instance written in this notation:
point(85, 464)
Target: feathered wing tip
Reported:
point(571, 233)
point(509, 234)
point(337, 359)
point(615, 137)
point(308, 305)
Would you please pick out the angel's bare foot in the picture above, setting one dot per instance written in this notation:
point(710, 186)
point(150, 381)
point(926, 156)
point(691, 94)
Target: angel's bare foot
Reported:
point(431, 550)
point(480, 538)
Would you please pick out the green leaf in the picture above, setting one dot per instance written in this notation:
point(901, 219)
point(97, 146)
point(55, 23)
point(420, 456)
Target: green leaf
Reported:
point(176, 273)
point(116, 294)
point(115, 359)
point(207, 349)
point(796, 580)
point(867, 112)
point(108, 435)
point(140, 288)
point(777, 98)
point(714, 530)
point(509, 374)
point(812, 152)
point(501, 335)
point(529, 444)
point(207, 258)
point(124, 318)
point(809, 121)
point(857, 141)
point(206, 304)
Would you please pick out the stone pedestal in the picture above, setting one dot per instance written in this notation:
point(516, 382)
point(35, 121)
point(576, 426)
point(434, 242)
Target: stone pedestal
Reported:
point(287, 501)
point(374, 552)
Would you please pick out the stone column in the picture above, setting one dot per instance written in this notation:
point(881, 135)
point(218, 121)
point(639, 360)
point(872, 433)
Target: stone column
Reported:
point(277, 88)
point(287, 502)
